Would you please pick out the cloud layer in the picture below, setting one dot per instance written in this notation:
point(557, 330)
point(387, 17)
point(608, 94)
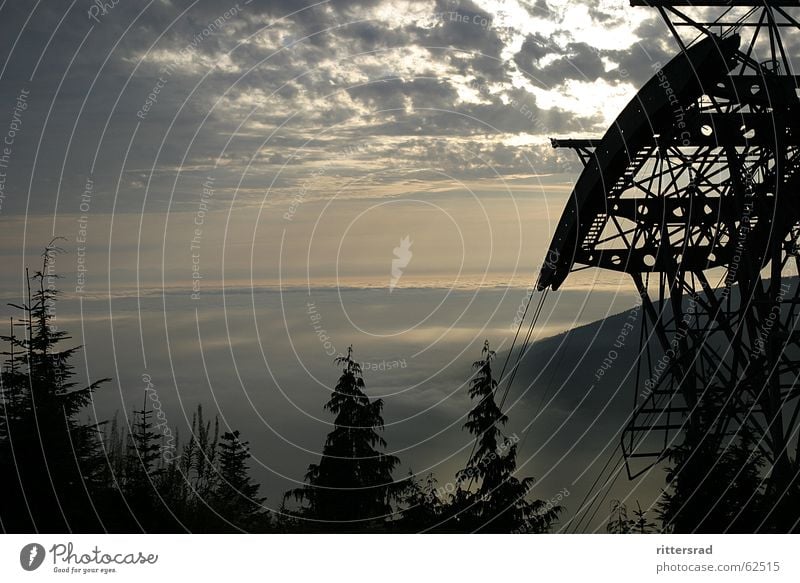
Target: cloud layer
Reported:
point(150, 99)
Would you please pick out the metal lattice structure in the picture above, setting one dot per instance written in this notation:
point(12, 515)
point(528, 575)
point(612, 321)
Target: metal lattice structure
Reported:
point(695, 192)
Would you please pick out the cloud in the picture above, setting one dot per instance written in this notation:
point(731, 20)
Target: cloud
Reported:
point(246, 85)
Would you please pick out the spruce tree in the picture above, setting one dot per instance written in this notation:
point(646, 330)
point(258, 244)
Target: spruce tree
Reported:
point(351, 488)
point(141, 470)
point(51, 461)
point(143, 448)
point(237, 500)
point(500, 503)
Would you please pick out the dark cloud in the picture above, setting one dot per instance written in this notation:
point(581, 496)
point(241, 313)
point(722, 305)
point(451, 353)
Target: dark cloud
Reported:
point(538, 8)
point(369, 36)
point(534, 48)
point(394, 93)
point(579, 61)
point(638, 62)
point(483, 67)
point(465, 37)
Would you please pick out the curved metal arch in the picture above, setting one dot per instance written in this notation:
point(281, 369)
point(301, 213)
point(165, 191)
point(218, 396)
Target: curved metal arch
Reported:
point(657, 117)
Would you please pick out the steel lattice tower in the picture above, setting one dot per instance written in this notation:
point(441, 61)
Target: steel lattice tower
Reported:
point(695, 192)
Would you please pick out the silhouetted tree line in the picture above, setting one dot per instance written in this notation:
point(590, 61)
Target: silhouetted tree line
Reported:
point(61, 474)
point(352, 486)
point(731, 496)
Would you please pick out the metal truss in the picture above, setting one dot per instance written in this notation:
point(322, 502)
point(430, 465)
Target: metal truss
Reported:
point(695, 192)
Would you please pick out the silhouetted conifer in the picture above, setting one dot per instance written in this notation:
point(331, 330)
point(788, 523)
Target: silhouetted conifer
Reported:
point(142, 471)
point(351, 488)
point(500, 503)
point(53, 471)
point(60, 474)
point(236, 497)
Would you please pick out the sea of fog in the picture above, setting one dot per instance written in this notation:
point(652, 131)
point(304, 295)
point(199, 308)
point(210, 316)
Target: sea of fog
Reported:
point(262, 360)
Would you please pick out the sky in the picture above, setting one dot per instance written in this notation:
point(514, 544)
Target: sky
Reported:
point(243, 190)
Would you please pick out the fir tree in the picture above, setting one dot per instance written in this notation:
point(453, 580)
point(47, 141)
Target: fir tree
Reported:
point(143, 448)
point(141, 470)
point(52, 463)
point(501, 502)
point(352, 486)
point(236, 498)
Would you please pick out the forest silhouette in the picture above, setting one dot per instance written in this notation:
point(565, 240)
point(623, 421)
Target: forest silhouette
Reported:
point(61, 474)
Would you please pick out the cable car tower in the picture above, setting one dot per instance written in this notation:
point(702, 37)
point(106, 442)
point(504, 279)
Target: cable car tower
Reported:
point(694, 191)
